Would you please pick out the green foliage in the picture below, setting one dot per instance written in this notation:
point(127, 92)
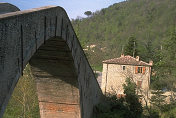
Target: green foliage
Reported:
point(24, 101)
point(166, 66)
point(97, 67)
point(127, 107)
point(169, 111)
point(112, 108)
point(164, 111)
point(130, 107)
point(110, 28)
point(88, 13)
point(149, 53)
point(149, 23)
point(132, 98)
point(165, 77)
point(131, 47)
point(158, 99)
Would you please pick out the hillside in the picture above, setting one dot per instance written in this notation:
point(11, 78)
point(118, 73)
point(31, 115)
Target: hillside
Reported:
point(106, 32)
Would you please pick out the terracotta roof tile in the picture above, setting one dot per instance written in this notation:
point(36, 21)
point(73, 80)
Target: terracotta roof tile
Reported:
point(126, 60)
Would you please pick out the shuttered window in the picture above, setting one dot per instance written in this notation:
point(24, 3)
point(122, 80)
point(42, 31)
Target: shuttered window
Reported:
point(143, 70)
point(136, 69)
point(139, 70)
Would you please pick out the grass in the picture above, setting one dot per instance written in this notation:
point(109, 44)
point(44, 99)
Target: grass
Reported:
point(97, 67)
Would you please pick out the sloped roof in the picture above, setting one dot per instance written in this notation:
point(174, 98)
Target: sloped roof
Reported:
point(126, 60)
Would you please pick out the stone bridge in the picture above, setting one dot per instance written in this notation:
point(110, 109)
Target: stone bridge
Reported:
point(44, 37)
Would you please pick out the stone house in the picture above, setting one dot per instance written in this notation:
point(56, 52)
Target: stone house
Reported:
point(115, 72)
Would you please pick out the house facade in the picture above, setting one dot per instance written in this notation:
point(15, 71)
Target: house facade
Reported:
point(115, 72)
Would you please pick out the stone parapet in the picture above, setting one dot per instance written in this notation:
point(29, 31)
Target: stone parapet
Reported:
point(23, 32)
point(6, 8)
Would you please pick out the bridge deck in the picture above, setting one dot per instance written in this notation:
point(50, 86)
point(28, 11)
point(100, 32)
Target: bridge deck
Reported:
point(57, 84)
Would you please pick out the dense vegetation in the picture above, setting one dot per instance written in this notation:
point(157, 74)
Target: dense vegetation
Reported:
point(124, 107)
point(131, 107)
point(24, 101)
point(146, 28)
point(107, 33)
point(149, 21)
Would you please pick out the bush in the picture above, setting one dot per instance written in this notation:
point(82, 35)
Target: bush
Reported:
point(127, 107)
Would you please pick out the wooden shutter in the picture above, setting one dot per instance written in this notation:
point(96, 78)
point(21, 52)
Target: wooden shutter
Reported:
point(136, 69)
point(143, 70)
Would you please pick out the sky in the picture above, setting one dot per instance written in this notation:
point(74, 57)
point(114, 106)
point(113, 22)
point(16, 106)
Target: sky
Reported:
point(73, 8)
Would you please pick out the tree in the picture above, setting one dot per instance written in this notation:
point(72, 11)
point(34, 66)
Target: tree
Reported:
point(88, 13)
point(149, 50)
point(131, 47)
point(158, 99)
point(167, 64)
point(132, 99)
point(24, 100)
point(166, 67)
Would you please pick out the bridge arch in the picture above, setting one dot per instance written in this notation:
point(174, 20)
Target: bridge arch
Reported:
point(7, 7)
point(52, 67)
point(23, 33)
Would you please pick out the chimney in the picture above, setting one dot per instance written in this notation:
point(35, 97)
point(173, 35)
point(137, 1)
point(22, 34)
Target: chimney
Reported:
point(137, 58)
point(151, 62)
point(122, 55)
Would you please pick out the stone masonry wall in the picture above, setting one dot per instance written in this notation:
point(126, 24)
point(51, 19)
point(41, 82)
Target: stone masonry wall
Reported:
point(6, 8)
point(114, 77)
point(23, 32)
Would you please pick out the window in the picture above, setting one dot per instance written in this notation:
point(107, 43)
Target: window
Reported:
point(139, 84)
point(123, 67)
point(140, 70)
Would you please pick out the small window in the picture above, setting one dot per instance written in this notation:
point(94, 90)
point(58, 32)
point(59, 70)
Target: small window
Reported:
point(139, 69)
point(139, 84)
point(123, 67)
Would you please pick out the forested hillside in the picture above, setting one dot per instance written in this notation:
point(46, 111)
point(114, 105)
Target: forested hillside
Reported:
point(106, 32)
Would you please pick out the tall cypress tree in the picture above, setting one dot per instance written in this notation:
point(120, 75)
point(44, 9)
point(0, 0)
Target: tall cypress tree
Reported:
point(131, 47)
point(149, 55)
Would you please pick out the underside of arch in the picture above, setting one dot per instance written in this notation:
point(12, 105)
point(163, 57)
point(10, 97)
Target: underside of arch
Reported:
point(57, 85)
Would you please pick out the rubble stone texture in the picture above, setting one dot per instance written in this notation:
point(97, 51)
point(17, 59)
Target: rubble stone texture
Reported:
point(22, 34)
point(6, 8)
point(115, 72)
